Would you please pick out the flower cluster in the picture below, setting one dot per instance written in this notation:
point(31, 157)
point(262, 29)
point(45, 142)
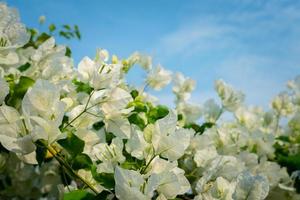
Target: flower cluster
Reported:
point(83, 133)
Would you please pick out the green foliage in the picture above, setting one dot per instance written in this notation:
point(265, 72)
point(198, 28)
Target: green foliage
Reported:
point(52, 28)
point(24, 67)
point(105, 179)
point(98, 125)
point(72, 144)
point(17, 90)
point(199, 129)
point(156, 113)
point(82, 87)
point(81, 161)
point(137, 120)
point(132, 163)
point(41, 152)
point(79, 195)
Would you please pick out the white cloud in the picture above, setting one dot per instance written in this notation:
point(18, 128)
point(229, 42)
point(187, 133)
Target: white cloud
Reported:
point(259, 47)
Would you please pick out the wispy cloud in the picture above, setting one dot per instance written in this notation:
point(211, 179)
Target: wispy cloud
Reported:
point(255, 47)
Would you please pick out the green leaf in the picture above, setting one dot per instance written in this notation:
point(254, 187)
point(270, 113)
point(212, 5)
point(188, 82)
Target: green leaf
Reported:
point(82, 87)
point(292, 162)
point(132, 163)
point(68, 52)
point(199, 129)
point(134, 93)
point(24, 67)
point(156, 113)
point(72, 144)
point(98, 125)
point(41, 39)
point(79, 195)
point(17, 91)
point(82, 161)
point(137, 120)
point(105, 179)
point(67, 27)
point(64, 34)
point(52, 27)
point(77, 32)
point(41, 152)
point(108, 137)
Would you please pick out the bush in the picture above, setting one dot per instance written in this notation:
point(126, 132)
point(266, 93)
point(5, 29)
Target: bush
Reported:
point(84, 133)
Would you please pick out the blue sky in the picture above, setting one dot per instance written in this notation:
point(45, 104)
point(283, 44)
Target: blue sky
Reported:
point(251, 44)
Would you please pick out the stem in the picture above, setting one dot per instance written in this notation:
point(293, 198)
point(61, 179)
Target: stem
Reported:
point(70, 170)
point(147, 165)
point(81, 113)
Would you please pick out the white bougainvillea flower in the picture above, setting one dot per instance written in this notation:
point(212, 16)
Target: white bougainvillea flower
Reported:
point(99, 76)
point(118, 124)
point(228, 167)
point(251, 187)
point(231, 99)
point(43, 110)
point(43, 100)
point(159, 77)
point(165, 135)
point(128, 184)
point(45, 129)
point(204, 156)
point(13, 34)
point(117, 101)
point(49, 62)
point(110, 155)
point(4, 90)
point(183, 86)
point(12, 131)
point(143, 60)
point(191, 112)
point(222, 189)
point(136, 144)
point(211, 111)
point(166, 178)
point(90, 138)
point(282, 104)
point(115, 111)
point(102, 56)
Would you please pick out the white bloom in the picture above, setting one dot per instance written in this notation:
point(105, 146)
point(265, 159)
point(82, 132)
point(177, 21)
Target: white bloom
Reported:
point(110, 155)
point(183, 86)
point(165, 137)
point(166, 178)
point(102, 55)
point(141, 59)
point(43, 110)
point(204, 156)
point(159, 78)
point(12, 132)
point(99, 76)
point(128, 184)
point(251, 187)
point(222, 189)
point(13, 34)
point(191, 112)
point(136, 144)
point(211, 111)
point(231, 98)
point(4, 90)
point(282, 104)
point(42, 19)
